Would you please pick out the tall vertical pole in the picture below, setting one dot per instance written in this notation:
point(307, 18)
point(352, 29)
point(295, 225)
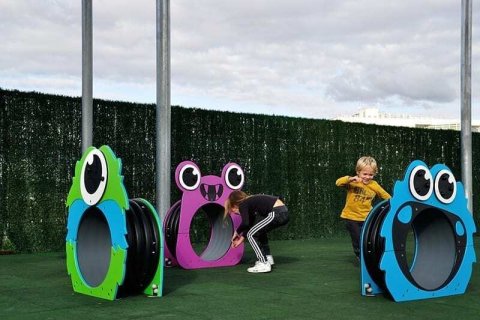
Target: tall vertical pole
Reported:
point(87, 74)
point(466, 93)
point(163, 112)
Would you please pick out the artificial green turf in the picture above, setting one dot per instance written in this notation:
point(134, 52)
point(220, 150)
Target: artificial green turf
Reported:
point(314, 279)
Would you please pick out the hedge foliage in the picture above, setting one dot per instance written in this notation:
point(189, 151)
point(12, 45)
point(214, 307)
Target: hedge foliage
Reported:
point(297, 158)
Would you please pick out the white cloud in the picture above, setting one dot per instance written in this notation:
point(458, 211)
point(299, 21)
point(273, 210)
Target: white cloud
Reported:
point(313, 58)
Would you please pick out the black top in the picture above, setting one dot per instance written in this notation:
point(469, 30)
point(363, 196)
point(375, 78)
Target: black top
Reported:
point(257, 205)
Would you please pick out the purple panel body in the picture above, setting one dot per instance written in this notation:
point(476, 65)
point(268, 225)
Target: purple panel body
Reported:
point(199, 191)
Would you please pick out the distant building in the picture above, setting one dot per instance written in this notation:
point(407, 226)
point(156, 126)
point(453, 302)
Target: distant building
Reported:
point(374, 116)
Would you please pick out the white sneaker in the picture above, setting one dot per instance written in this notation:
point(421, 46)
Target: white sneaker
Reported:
point(270, 260)
point(260, 267)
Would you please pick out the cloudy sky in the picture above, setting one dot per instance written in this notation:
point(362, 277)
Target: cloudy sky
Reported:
point(308, 58)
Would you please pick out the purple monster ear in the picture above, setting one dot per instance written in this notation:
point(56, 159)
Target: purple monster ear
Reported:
point(233, 176)
point(187, 176)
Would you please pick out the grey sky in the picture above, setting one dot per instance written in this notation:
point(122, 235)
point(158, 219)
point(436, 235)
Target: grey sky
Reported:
point(309, 58)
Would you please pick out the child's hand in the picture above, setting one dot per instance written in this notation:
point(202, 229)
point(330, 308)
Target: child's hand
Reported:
point(355, 179)
point(237, 241)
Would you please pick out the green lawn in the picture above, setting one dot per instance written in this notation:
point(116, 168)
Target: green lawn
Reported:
point(314, 279)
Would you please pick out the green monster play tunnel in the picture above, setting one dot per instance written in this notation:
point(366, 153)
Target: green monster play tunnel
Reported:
point(114, 245)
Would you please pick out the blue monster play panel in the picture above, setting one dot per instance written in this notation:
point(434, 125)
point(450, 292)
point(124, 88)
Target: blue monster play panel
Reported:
point(428, 205)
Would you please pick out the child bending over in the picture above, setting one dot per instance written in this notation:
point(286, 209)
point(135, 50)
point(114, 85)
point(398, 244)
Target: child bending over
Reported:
point(260, 214)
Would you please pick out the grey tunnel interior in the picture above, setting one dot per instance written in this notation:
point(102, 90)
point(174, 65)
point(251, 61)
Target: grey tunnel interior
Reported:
point(93, 246)
point(435, 249)
point(221, 231)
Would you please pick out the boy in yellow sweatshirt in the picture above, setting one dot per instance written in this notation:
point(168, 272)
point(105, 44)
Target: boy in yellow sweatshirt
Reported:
point(361, 190)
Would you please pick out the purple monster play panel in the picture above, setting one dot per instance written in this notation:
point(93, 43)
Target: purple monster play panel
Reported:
point(203, 194)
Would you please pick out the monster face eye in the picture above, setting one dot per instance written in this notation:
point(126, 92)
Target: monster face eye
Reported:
point(93, 179)
point(445, 186)
point(234, 177)
point(420, 183)
point(189, 177)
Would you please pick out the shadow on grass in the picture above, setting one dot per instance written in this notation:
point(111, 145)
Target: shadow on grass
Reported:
point(285, 259)
point(175, 278)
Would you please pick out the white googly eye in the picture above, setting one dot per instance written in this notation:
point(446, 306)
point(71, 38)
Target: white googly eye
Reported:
point(445, 186)
point(234, 177)
point(420, 183)
point(189, 177)
point(93, 178)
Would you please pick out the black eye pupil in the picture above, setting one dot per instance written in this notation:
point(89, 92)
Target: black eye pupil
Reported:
point(421, 185)
point(189, 178)
point(93, 175)
point(445, 187)
point(234, 178)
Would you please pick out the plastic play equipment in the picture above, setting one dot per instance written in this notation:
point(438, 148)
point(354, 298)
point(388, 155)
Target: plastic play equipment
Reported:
point(431, 205)
point(114, 245)
point(207, 194)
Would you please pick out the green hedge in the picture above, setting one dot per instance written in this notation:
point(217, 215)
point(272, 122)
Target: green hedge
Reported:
point(297, 158)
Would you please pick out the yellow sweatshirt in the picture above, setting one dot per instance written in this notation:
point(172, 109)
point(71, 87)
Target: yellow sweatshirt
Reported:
point(359, 198)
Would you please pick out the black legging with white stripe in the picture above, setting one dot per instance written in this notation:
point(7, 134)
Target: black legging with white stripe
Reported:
point(257, 235)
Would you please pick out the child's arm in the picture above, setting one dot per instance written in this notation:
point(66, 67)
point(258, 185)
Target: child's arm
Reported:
point(382, 193)
point(343, 181)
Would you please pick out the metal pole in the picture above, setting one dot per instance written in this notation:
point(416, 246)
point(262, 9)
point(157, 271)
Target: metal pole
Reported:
point(466, 92)
point(163, 112)
point(87, 78)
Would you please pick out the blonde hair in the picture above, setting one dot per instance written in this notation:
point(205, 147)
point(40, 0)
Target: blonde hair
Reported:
point(233, 200)
point(366, 162)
